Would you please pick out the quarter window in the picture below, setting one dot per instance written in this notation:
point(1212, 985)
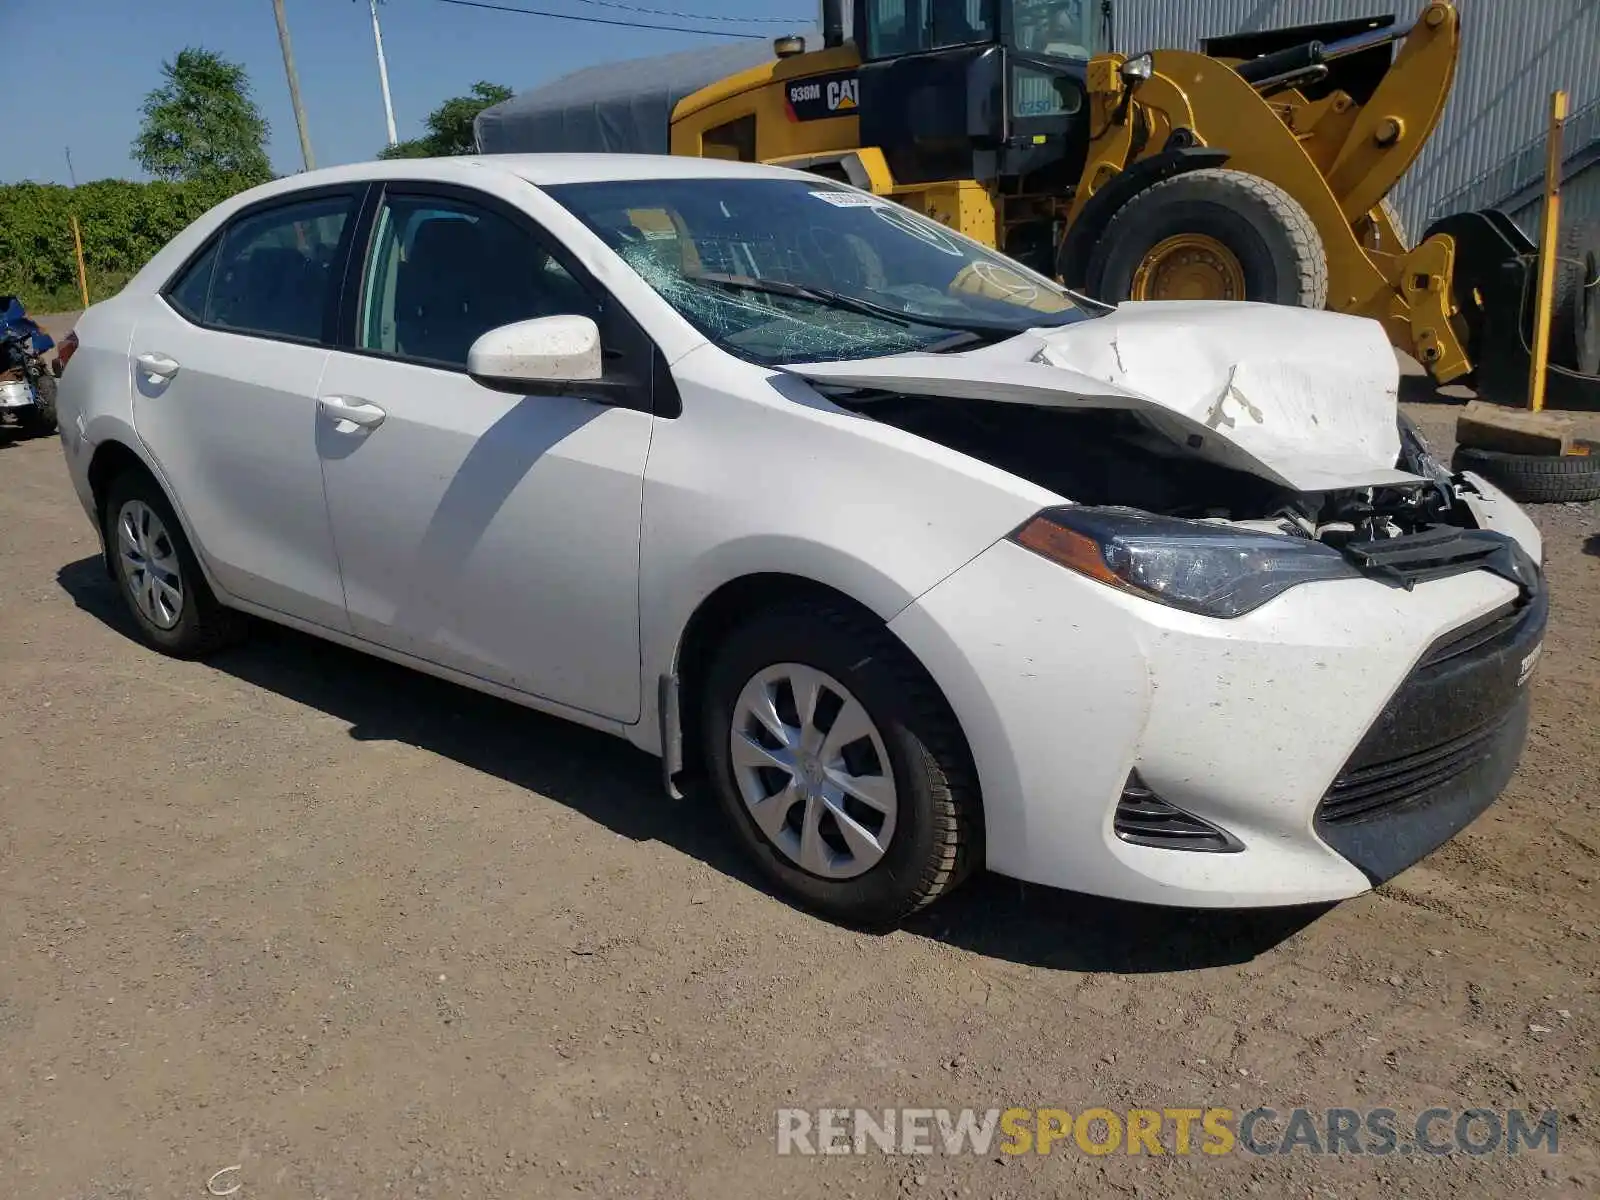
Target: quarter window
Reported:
point(189, 291)
point(276, 270)
point(444, 272)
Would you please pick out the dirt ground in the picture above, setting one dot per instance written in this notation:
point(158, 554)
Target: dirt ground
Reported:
point(365, 934)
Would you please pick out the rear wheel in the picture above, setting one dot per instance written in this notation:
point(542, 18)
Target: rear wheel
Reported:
point(158, 575)
point(839, 765)
point(43, 417)
point(1212, 235)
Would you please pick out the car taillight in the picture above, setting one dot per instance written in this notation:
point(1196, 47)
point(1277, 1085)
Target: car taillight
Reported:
point(65, 349)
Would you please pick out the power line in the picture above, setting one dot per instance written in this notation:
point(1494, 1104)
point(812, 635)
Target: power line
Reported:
point(557, 16)
point(791, 22)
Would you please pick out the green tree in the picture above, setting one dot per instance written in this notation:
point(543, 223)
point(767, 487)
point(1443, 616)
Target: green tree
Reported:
point(450, 125)
point(202, 124)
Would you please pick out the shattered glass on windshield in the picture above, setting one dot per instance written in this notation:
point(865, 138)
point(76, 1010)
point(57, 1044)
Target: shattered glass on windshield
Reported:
point(783, 271)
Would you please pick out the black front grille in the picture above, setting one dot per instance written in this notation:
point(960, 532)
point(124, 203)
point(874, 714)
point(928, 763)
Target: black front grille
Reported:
point(1366, 790)
point(1442, 749)
point(1145, 819)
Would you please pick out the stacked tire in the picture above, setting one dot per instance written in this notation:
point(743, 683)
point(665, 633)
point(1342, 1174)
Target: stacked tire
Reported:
point(1574, 346)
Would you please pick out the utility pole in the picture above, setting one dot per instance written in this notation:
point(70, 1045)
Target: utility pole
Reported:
point(294, 86)
point(383, 72)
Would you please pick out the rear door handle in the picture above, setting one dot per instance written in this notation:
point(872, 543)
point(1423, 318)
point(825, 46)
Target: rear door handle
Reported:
point(357, 413)
point(158, 366)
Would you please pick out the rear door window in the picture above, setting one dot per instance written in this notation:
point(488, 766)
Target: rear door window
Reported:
point(277, 271)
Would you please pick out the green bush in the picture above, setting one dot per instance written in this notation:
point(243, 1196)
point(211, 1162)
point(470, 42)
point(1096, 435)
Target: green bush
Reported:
point(123, 223)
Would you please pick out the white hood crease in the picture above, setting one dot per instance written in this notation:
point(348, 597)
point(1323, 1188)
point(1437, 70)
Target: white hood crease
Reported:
point(1306, 399)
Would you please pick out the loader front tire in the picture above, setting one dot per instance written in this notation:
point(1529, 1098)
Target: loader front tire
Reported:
point(1212, 234)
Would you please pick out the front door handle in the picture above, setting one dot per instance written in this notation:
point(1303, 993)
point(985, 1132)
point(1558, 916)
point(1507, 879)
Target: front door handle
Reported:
point(157, 366)
point(347, 409)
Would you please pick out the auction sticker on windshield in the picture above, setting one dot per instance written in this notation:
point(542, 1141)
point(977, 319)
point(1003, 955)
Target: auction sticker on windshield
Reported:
point(849, 199)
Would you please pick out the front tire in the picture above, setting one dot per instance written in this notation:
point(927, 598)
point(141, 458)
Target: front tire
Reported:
point(839, 765)
point(1213, 234)
point(158, 575)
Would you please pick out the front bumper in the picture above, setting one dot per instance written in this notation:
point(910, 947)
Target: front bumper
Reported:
point(1065, 687)
point(1443, 748)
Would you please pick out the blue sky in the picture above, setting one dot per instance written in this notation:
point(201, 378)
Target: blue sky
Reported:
point(80, 68)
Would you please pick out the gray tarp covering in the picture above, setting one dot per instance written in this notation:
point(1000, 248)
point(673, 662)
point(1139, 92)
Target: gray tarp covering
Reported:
point(621, 107)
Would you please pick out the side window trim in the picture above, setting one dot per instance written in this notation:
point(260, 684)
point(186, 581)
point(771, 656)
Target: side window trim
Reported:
point(645, 391)
point(357, 193)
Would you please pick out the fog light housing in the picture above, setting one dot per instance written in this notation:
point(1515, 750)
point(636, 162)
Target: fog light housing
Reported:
point(1145, 819)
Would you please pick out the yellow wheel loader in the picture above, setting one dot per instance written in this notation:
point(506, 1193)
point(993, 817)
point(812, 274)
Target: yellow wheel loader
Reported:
point(1254, 169)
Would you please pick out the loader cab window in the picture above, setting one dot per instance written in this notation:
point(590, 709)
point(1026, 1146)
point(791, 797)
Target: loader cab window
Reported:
point(1057, 28)
point(896, 27)
point(1072, 29)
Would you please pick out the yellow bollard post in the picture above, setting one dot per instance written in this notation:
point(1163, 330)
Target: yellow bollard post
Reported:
point(1549, 231)
point(83, 275)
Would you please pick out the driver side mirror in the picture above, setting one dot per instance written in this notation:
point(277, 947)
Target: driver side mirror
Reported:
point(537, 355)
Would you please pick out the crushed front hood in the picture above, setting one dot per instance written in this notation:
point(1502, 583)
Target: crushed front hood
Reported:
point(1306, 399)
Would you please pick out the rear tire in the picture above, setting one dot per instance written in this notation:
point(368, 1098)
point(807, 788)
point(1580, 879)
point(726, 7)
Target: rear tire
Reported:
point(1575, 310)
point(913, 754)
point(43, 418)
point(1536, 478)
point(158, 575)
point(1279, 254)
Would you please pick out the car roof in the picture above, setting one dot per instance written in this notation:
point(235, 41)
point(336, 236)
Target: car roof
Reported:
point(537, 169)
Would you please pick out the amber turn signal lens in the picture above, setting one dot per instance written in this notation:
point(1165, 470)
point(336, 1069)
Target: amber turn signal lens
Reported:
point(1073, 550)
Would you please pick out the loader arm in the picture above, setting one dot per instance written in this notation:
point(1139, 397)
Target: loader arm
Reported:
point(1336, 159)
point(1396, 123)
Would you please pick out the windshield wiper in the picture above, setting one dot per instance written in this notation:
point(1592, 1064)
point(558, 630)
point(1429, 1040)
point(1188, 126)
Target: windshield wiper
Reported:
point(775, 287)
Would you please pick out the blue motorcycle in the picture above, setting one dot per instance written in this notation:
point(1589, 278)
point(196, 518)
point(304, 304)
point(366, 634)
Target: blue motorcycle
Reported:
point(27, 382)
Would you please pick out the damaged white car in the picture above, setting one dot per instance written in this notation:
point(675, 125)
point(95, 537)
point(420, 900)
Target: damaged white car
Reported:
point(925, 564)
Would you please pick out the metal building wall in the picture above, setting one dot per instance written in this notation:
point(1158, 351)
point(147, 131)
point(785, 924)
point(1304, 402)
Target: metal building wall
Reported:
point(1514, 54)
point(1580, 202)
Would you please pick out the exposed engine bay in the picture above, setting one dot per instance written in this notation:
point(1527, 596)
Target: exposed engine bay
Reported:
point(1270, 419)
point(1115, 458)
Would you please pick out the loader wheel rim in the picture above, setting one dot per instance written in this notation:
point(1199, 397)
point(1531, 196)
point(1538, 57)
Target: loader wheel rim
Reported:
point(1189, 266)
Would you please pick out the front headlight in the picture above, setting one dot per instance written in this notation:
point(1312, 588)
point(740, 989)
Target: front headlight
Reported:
point(1197, 566)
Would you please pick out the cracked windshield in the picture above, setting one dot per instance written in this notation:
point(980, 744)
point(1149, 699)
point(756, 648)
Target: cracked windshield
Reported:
point(781, 271)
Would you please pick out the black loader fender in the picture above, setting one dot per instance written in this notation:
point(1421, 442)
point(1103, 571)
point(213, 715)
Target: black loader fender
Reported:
point(1077, 246)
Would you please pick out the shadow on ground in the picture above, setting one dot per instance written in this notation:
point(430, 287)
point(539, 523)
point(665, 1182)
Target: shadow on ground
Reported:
point(1592, 545)
point(617, 786)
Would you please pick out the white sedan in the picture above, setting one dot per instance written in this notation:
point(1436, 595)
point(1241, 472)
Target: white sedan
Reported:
point(922, 562)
